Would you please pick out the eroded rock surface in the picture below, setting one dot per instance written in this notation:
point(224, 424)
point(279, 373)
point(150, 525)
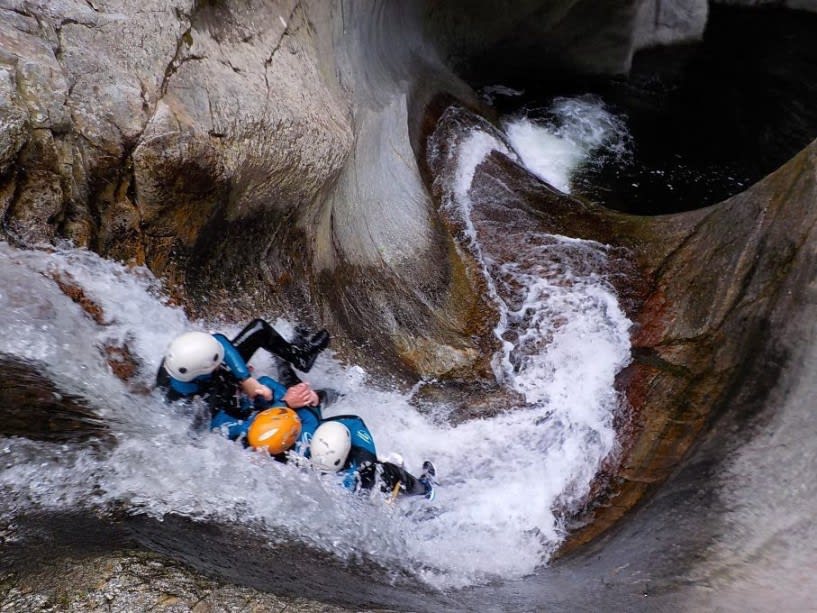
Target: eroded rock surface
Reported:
point(137, 581)
point(262, 157)
point(709, 335)
point(163, 130)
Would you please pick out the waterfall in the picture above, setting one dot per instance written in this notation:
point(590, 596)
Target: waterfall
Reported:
point(502, 478)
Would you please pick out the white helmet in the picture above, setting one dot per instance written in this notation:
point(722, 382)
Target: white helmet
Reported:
point(193, 354)
point(330, 446)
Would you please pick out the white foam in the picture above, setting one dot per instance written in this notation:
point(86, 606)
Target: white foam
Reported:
point(476, 146)
point(571, 339)
point(577, 129)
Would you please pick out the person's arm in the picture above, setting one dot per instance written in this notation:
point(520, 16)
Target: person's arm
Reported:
point(239, 369)
point(278, 390)
point(232, 359)
point(252, 387)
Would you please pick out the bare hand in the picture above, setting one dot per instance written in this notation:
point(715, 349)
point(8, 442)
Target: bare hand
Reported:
point(253, 388)
point(301, 395)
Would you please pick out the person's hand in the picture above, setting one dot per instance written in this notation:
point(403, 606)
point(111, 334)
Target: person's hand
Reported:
point(301, 395)
point(252, 387)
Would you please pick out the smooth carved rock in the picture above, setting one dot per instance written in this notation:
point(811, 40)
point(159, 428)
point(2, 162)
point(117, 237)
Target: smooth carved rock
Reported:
point(247, 133)
point(723, 282)
point(212, 141)
point(264, 156)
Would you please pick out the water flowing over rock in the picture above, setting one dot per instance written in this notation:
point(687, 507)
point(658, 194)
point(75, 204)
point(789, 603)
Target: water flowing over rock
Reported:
point(278, 157)
point(32, 407)
point(699, 351)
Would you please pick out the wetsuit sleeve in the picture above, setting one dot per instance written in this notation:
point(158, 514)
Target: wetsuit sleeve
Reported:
point(232, 359)
point(278, 391)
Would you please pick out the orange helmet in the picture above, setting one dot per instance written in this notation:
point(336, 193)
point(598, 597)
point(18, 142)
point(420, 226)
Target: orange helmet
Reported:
point(275, 430)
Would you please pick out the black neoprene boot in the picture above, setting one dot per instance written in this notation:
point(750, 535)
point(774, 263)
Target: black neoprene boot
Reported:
point(301, 352)
point(304, 353)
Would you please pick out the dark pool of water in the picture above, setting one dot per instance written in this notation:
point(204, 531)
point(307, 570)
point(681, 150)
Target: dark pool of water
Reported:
point(707, 119)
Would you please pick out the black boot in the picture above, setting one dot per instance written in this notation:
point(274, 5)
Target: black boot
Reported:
point(301, 352)
point(303, 355)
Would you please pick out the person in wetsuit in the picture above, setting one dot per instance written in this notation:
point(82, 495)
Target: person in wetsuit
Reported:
point(211, 367)
point(344, 444)
point(341, 443)
point(277, 415)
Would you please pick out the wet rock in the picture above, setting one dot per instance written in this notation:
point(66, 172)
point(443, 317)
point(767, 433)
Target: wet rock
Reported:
point(160, 119)
point(33, 215)
point(136, 581)
point(219, 154)
point(246, 135)
point(263, 156)
point(71, 289)
point(459, 401)
point(123, 363)
point(13, 118)
point(577, 36)
point(706, 291)
point(33, 407)
point(722, 283)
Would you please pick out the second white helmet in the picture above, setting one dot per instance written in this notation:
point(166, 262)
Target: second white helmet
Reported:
point(330, 446)
point(193, 354)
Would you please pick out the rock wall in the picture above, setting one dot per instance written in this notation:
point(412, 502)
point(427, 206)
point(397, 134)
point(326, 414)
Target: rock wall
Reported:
point(168, 133)
point(260, 156)
point(722, 283)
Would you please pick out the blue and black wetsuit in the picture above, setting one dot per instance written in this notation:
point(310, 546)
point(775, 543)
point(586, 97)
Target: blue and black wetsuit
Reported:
point(363, 470)
point(220, 389)
point(235, 422)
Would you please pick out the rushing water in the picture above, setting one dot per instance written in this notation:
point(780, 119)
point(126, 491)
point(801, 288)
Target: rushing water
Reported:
point(568, 134)
point(503, 478)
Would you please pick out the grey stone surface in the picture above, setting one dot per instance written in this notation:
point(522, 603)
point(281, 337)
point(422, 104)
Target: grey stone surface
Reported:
point(261, 156)
point(659, 22)
point(135, 581)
